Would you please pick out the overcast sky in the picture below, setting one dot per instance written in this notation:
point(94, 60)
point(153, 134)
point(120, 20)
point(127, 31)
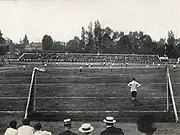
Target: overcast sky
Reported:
point(63, 19)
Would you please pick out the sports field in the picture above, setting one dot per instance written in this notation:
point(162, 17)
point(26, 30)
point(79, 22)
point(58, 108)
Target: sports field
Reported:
point(89, 95)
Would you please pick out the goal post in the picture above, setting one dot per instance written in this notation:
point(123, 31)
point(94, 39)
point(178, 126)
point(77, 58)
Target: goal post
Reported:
point(31, 102)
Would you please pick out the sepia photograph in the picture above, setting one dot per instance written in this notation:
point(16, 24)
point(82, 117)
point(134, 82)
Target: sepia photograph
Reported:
point(89, 67)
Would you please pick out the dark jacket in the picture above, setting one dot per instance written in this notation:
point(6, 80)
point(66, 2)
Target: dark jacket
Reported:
point(67, 132)
point(112, 131)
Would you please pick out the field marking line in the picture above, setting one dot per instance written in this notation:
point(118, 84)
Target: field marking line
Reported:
point(83, 97)
point(79, 83)
point(108, 111)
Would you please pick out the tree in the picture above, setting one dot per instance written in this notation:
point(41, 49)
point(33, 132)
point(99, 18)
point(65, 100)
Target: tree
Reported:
point(73, 46)
point(97, 35)
point(170, 48)
point(2, 40)
point(25, 40)
point(47, 42)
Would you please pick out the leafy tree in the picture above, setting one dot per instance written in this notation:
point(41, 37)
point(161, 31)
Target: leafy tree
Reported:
point(47, 42)
point(73, 46)
point(2, 40)
point(97, 35)
point(90, 46)
point(25, 40)
point(58, 47)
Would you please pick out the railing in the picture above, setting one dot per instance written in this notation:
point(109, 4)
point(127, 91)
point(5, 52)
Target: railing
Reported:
point(171, 94)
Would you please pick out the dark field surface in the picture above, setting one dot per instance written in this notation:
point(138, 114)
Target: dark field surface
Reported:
point(93, 94)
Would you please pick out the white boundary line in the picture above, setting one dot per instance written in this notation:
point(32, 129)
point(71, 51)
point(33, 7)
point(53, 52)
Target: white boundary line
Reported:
point(83, 97)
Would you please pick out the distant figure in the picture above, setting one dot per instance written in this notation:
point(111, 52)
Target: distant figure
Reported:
point(67, 128)
point(86, 129)
point(104, 63)
point(38, 131)
point(174, 67)
point(24, 67)
point(158, 65)
point(45, 65)
point(80, 69)
point(12, 128)
point(145, 124)
point(25, 129)
point(110, 129)
point(134, 85)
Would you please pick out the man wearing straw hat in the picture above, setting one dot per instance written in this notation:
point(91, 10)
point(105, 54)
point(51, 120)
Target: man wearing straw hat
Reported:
point(67, 127)
point(110, 129)
point(86, 129)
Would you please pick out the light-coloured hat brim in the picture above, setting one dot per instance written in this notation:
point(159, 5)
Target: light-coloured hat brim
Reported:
point(114, 121)
point(86, 131)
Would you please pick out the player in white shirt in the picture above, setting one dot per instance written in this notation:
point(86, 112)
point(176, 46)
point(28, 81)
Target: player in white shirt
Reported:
point(12, 129)
point(134, 85)
point(174, 67)
point(25, 129)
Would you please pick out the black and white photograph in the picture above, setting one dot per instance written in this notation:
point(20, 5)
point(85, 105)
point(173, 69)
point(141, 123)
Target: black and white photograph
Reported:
point(92, 67)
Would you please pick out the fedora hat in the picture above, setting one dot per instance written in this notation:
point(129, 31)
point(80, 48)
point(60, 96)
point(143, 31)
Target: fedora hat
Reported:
point(109, 120)
point(86, 128)
point(67, 121)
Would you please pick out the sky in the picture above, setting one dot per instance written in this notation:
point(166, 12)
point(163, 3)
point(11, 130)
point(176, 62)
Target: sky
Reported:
point(63, 19)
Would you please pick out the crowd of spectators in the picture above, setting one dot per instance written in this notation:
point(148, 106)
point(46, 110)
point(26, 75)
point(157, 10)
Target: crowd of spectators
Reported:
point(144, 125)
point(83, 57)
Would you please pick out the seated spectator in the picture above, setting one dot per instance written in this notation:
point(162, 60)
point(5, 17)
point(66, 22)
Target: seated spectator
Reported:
point(38, 131)
point(12, 128)
point(86, 129)
point(25, 129)
point(67, 127)
point(145, 124)
point(110, 129)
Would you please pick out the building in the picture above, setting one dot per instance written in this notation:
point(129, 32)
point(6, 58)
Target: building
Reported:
point(37, 46)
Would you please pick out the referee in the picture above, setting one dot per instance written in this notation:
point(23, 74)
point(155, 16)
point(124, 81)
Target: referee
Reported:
point(134, 85)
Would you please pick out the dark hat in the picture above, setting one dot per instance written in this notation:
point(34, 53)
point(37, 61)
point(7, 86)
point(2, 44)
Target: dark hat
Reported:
point(37, 126)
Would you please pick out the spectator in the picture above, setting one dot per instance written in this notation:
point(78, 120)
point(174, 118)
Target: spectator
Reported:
point(145, 124)
point(12, 128)
point(110, 129)
point(86, 129)
point(67, 127)
point(25, 129)
point(38, 131)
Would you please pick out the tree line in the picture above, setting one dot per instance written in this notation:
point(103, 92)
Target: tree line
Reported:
point(96, 39)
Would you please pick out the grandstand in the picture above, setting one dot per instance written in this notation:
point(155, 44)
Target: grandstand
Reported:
point(79, 57)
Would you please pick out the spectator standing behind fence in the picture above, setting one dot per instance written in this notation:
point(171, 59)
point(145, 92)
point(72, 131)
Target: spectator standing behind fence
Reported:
point(134, 85)
point(12, 128)
point(86, 129)
point(67, 127)
point(110, 129)
point(38, 131)
point(25, 129)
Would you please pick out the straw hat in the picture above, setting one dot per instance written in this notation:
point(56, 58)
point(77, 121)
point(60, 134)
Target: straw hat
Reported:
point(86, 128)
point(67, 121)
point(109, 120)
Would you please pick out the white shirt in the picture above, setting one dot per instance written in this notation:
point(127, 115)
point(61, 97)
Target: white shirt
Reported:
point(10, 131)
point(25, 130)
point(39, 132)
point(133, 84)
point(174, 66)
